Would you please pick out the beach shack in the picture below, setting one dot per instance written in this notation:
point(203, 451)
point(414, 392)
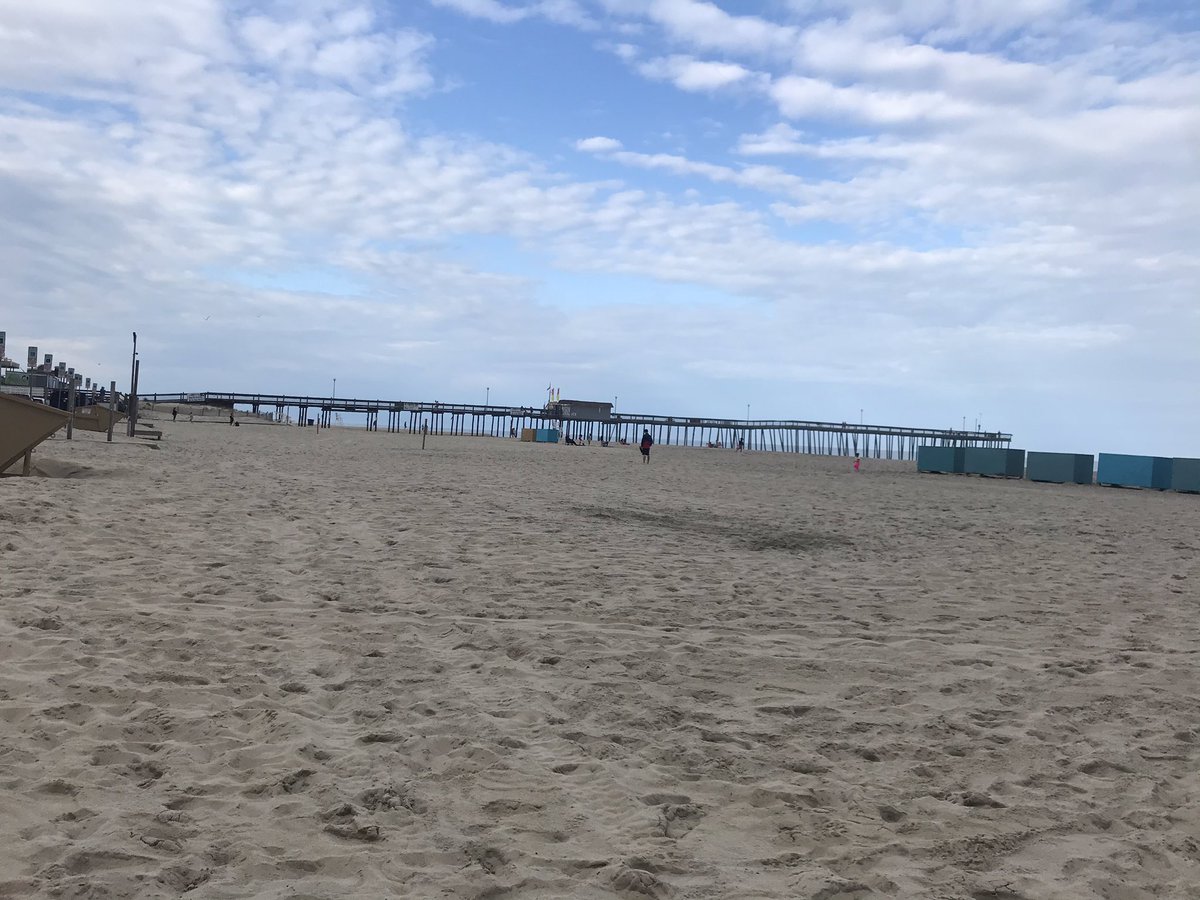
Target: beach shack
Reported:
point(1185, 475)
point(1060, 468)
point(1129, 470)
point(998, 462)
point(581, 410)
point(940, 460)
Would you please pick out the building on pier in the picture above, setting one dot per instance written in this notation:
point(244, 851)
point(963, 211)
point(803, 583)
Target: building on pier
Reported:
point(580, 410)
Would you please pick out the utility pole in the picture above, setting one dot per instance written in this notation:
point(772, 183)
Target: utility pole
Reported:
point(133, 399)
point(132, 376)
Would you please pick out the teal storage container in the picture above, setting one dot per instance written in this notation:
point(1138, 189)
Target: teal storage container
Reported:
point(998, 461)
point(1060, 468)
point(547, 436)
point(1185, 475)
point(1128, 470)
point(939, 459)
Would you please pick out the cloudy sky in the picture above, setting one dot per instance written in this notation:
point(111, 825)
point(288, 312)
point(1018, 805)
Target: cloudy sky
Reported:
point(926, 210)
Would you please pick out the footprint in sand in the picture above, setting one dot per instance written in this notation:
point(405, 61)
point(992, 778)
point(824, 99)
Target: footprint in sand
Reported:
point(639, 882)
point(677, 819)
point(352, 831)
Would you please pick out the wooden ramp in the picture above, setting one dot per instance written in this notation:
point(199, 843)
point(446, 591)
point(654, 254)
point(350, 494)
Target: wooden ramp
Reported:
point(23, 425)
point(95, 418)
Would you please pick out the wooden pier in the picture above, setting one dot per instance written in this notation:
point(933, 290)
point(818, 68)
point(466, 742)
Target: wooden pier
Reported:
point(780, 435)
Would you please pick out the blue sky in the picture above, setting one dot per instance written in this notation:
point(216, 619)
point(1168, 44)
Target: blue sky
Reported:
point(928, 211)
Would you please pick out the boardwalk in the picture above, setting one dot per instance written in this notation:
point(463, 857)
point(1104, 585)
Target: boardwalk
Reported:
point(785, 435)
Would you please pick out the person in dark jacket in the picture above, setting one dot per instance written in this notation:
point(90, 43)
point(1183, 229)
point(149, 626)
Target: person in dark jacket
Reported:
point(646, 444)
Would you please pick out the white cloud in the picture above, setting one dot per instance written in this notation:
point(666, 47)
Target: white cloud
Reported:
point(706, 25)
point(626, 52)
point(778, 140)
point(492, 10)
point(563, 12)
point(690, 74)
point(812, 98)
point(950, 20)
point(598, 145)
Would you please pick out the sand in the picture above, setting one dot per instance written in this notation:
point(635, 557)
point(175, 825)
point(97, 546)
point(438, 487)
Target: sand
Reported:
point(267, 662)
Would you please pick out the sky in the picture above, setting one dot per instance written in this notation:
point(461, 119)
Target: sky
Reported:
point(913, 212)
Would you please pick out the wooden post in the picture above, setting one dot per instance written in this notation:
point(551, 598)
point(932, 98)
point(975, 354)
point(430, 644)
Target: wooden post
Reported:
point(112, 408)
point(71, 410)
point(131, 405)
point(133, 398)
point(132, 382)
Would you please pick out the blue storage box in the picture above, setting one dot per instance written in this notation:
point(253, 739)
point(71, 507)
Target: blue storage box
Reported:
point(1185, 475)
point(939, 459)
point(1127, 470)
point(547, 436)
point(1060, 468)
point(999, 461)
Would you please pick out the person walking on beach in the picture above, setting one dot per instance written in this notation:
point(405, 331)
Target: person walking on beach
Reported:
point(174, 413)
point(857, 461)
point(646, 444)
point(741, 444)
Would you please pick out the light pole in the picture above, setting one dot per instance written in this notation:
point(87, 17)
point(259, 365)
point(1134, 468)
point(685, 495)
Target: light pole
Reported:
point(860, 417)
point(487, 397)
point(334, 394)
point(131, 401)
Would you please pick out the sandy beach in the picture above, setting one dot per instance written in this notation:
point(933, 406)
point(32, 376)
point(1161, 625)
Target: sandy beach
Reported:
point(270, 662)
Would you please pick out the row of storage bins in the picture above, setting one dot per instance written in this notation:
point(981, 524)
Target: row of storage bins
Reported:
point(540, 435)
point(1119, 469)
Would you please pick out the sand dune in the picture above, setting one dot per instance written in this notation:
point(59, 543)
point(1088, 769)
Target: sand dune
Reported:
point(267, 662)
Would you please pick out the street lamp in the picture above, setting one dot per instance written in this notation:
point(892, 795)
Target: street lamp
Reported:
point(131, 401)
point(334, 394)
point(487, 398)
